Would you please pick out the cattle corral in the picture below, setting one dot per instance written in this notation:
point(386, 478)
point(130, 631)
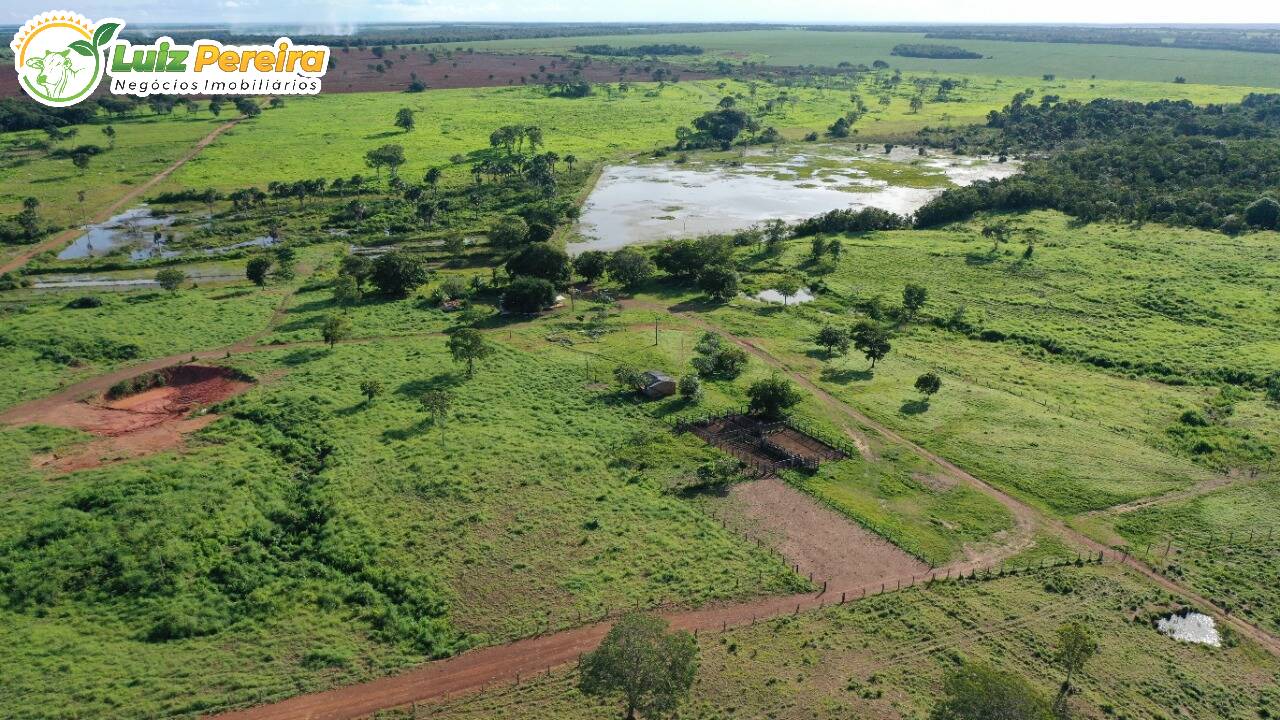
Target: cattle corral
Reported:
point(765, 447)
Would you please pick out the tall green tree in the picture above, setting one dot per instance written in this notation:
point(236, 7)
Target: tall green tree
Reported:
point(1076, 645)
point(404, 119)
point(467, 346)
point(335, 329)
point(772, 397)
point(979, 692)
point(913, 298)
point(171, 279)
point(639, 663)
point(257, 268)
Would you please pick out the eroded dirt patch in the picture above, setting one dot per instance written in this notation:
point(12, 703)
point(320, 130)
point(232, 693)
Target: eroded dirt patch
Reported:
point(167, 406)
point(816, 538)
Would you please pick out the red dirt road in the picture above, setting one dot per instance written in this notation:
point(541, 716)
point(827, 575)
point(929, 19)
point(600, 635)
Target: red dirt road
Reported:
point(56, 241)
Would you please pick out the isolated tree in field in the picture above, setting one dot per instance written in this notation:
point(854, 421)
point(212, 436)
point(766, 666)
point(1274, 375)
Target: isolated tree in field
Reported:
point(913, 298)
point(570, 160)
point(1263, 213)
point(404, 119)
point(640, 663)
point(872, 341)
point(370, 389)
point(110, 132)
point(772, 397)
point(835, 339)
point(998, 233)
point(787, 286)
point(509, 232)
point(630, 267)
point(719, 282)
point(81, 161)
point(346, 291)
point(1076, 645)
point(388, 156)
point(979, 692)
point(432, 178)
point(257, 268)
point(396, 274)
point(835, 248)
point(591, 265)
point(215, 107)
point(436, 404)
point(528, 295)
point(467, 346)
point(171, 279)
point(928, 384)
point(335, 329)
point(248, 107)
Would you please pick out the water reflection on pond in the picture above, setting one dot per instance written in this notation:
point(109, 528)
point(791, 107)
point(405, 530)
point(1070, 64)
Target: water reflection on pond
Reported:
point(641, 203)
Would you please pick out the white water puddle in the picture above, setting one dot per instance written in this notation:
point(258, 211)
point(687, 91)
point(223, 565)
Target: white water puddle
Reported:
point(773, 296)
point(144, 235)
point(1190, 627)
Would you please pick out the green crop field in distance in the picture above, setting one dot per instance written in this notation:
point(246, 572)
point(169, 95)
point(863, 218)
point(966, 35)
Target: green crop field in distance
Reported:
point(328, 136)
point(1066, 60)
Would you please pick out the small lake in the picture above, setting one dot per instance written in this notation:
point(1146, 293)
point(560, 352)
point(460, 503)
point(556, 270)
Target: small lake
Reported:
point(1191, 627)
point(648, 202)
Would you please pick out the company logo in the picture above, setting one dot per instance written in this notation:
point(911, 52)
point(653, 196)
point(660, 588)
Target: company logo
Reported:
point(61, 57)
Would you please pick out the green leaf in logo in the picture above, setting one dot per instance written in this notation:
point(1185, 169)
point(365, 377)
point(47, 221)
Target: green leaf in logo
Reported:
point(104, 33)
point(82, 47)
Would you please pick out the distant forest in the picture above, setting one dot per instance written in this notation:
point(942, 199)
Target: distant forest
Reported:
point(935, 52)
point(639, 50)
point(1213, 167)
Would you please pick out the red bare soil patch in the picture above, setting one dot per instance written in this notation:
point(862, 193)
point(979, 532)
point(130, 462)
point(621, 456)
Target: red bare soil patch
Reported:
point(815, 538)
point(140, 423)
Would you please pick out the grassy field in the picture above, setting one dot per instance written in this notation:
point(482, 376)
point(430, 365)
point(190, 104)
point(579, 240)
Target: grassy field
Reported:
point(802, 47)
point(144, 145)
point(327, 136)
point(884, 658)
point(442, 507)
point(48, 345)
point(1054, 426)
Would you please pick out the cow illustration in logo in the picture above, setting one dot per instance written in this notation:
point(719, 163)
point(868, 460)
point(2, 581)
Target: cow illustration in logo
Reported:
point(60, 56)
point(56, 72)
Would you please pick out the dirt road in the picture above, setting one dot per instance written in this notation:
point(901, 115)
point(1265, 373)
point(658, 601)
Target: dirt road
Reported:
point(56, 241)
point(473, 671)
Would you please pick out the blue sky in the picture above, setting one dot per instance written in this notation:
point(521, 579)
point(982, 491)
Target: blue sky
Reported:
point(337, 14)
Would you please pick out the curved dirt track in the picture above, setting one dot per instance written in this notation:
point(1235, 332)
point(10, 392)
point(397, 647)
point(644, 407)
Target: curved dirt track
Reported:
point(56, 241)
point(474, 670)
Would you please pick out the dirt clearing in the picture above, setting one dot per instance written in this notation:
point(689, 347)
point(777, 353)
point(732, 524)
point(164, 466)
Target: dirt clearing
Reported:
point(816, 538)
point(143, 415)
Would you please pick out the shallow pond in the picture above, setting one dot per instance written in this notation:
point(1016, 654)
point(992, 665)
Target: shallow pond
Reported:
point(773, 296)
point(641, 203)
point(143, 234)
point(1192, 627)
